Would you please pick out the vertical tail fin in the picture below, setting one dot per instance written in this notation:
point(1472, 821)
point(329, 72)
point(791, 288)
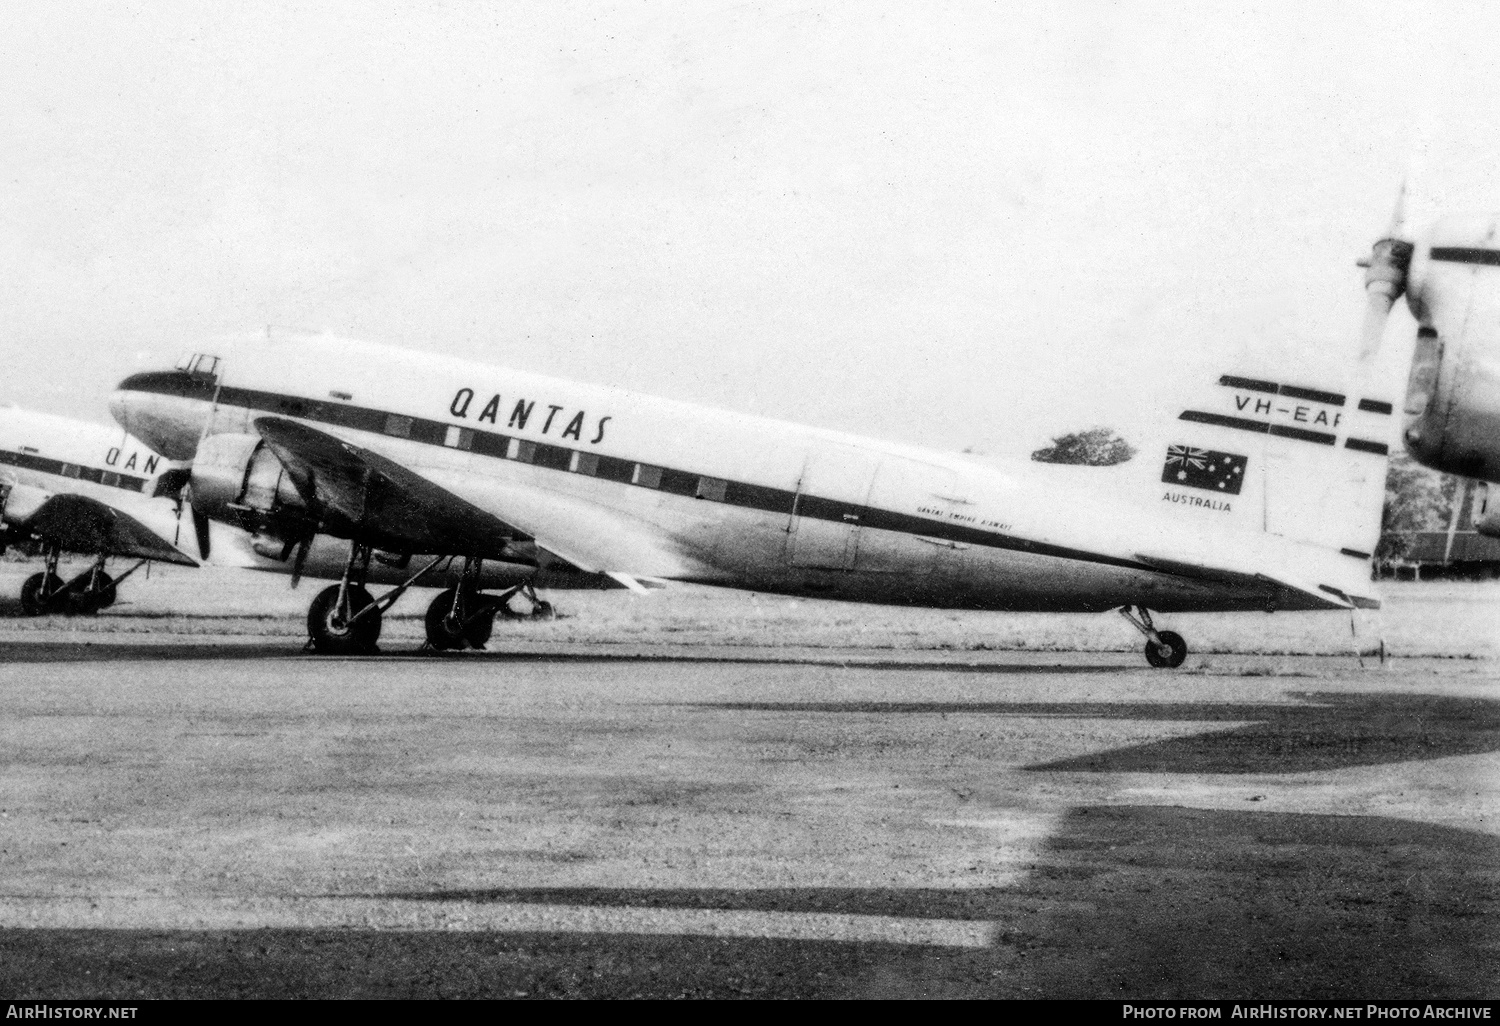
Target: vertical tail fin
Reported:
point(1302, 461)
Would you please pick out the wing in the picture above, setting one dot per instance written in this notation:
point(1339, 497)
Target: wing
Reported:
point(81, 524)
point(380, 497)
point(461, 513)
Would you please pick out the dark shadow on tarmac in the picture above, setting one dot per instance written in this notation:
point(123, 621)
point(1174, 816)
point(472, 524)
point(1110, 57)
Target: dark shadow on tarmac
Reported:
point(106, 648)
point(1130, 902)
point(1331, 730)
point(85, 650)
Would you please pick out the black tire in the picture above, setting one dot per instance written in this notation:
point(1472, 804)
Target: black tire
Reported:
point(38, 585)
point(480, 626)
point(439, 635)
point(474, 634)
point(1172, 660)
point(107, 592)
point(80, 600)
point(330, 636)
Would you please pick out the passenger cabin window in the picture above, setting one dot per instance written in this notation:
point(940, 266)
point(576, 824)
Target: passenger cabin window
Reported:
point(712, 488)
point(397, 426)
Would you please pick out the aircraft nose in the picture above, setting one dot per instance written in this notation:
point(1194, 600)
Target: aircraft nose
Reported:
point(119, 408)
point(164, 409)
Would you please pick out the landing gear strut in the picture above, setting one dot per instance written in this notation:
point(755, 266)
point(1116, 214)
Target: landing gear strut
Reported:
point(462, 616)
point(344, 619)
point(84, 595)
point(44, 592)
point(1164, 649)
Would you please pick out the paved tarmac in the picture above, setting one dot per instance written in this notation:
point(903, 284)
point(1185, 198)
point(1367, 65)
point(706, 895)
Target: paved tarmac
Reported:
point(225, 817)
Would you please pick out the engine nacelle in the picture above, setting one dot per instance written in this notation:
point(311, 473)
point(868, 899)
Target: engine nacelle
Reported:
point(1453, 393)
point(237, 480)
point(18, 502)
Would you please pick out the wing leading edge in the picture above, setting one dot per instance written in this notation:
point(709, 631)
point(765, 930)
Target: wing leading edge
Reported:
point(380, 497)
point(450, 511)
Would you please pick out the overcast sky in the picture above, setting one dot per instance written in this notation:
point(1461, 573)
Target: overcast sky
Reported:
point(961, 225)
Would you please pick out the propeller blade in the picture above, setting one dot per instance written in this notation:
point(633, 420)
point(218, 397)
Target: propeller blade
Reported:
point(301, 559)
point(184, 496)
point(1385, 277)
point(200, 528)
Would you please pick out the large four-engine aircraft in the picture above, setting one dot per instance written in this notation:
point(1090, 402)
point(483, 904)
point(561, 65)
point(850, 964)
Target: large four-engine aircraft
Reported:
point(66, 485)
point(1258, 494)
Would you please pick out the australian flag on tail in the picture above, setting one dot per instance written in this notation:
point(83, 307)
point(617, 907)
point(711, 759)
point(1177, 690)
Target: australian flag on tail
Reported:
point(1222, 472)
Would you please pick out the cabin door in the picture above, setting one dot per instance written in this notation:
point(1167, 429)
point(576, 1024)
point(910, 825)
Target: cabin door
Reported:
point(906, 494)
point(832, 496)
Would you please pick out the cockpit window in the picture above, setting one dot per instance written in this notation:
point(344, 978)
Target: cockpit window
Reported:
point(200, 365)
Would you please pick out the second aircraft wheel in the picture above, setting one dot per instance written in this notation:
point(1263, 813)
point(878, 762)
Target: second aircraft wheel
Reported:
point(81, 600)
point(39, 594)
point(333, 634)
point(107, 593)
point(1172, 660)
point(442, 635)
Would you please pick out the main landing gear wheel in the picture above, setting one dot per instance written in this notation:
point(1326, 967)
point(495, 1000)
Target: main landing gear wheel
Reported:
point(336, 631)
point(1171, 659)
point(85, 597)
point(106, 593)
point(444, 633)
point(40, 594)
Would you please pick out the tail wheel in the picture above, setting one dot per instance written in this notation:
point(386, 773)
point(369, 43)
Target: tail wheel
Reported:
point(442, 633)
point(336, 634)
point(1172, 659)
point(40, 594)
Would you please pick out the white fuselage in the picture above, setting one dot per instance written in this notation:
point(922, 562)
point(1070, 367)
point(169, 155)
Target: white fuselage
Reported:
point(55, 454)
point(659, 488)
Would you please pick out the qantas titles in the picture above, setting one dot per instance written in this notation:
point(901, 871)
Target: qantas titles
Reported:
point(113, 457)
point(523, 412)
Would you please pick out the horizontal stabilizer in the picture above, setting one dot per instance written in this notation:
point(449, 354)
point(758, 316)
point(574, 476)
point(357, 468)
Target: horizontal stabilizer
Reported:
point(1272, 585)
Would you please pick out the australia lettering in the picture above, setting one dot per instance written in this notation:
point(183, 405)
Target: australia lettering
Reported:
point(571, 423)
point(1193, 500)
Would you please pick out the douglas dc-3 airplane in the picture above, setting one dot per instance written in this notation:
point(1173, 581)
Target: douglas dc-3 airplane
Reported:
point(71, 486)
point(1260, 495)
